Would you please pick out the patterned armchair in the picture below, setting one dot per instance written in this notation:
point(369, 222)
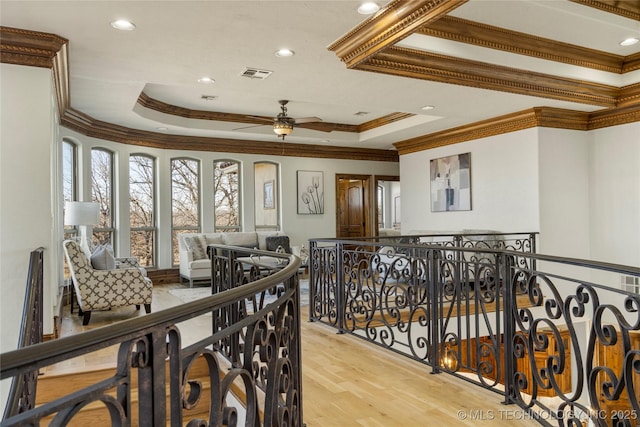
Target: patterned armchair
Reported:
point(105, 289)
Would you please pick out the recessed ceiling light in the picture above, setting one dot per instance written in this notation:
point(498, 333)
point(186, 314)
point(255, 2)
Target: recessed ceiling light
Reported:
point(162, 128)
point(629, 42)
point(367, 8)
point(123, 24)
point(284, 53)
point(206, 80)
point(428, 107)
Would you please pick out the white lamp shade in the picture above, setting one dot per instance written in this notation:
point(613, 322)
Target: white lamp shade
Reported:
point(81, 213)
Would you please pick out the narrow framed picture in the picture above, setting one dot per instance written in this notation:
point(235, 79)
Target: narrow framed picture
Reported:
point(310, 192)
point(451, 183)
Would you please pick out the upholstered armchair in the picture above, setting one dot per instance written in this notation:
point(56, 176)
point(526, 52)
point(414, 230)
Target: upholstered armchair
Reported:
point(105, 289)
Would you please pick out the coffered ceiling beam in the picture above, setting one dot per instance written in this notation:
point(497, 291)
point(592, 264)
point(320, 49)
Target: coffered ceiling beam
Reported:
point(447, 69)
point(629, 9)
point(478, 34)
point(397, 20)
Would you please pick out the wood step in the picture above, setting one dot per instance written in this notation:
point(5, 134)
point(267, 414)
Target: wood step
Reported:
point(54, 386)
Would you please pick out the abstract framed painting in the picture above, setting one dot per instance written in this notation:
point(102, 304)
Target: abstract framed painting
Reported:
point(310, 192)
point(451, 183)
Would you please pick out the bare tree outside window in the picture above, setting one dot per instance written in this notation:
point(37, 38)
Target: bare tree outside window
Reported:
point(142, 208)
point(185, 200)
point(102, 193)
point(69, 181)
point(226, 196)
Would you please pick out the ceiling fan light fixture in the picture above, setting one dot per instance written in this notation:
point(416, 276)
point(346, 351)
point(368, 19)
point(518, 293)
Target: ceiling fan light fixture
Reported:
point(282, 128)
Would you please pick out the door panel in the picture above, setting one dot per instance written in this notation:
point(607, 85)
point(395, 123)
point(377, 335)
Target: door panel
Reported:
point(352, 208)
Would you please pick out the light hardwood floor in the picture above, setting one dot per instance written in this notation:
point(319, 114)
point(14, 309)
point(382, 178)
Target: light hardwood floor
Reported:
point(346, 381)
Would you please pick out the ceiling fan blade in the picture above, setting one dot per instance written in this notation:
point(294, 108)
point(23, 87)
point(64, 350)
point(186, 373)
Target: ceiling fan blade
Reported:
point(319, 126)
point(247, 127)
point(261, 118)
point(308, 120)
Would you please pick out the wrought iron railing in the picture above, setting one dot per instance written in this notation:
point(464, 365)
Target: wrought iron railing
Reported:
point(23, 387)
point(553, 335)
point(253, 344)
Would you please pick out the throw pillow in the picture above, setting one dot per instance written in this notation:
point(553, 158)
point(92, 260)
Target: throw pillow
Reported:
point(102, 258)
point(198, 247)
point(274, 241)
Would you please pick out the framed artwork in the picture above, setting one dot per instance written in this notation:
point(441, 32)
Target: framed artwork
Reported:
point(451, 183)
point(310, 192)
point(269, 202)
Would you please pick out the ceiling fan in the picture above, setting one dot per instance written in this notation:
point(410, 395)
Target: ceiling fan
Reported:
point(283, 124)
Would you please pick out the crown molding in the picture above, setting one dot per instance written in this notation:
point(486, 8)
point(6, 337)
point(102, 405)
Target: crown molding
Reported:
point(162, 107)
point(418, 64)
point(614, 117)
point(389, 25)
point(631, 63)
point(478, 34)
point(165, 108)
point(30, 48)
point(86, 125)
point(535, 117)
point(491, 127)
point(37, 49)
point(628, 9)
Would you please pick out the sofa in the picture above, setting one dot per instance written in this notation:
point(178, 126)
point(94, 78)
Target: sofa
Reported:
point(195, 264)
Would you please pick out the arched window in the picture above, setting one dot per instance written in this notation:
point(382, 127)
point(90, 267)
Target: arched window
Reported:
point(266, 196)
point(69, 180)
point(142, 217)
point(185, 200)
point(102, 193)
point(226, 195)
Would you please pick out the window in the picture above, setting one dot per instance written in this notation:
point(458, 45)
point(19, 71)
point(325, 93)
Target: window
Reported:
point(226, 196)
point(380, 200)
point(266, 196)
point(69, 181)
point(102, 193)
point(142, 216)
point(185, 200)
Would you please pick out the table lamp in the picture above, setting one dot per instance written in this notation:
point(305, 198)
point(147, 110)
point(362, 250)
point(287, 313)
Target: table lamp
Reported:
point(82, 214)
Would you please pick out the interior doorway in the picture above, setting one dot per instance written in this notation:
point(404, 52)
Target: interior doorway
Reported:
point(354, 215)
point(387, 203)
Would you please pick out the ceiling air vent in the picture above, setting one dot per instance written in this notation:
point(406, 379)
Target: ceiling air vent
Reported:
point(255, 73)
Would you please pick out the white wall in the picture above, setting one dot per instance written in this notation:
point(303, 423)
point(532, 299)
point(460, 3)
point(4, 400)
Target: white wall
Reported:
point(26, 209)
point(504, 186)
point(579, 189)
point(614, 183)
point(300, 228)
point(564, 193)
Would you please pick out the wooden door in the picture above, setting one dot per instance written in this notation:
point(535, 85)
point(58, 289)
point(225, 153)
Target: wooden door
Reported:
point(353, 216)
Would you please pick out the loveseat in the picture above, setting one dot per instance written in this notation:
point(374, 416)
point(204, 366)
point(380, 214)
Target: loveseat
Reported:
point(195, 265)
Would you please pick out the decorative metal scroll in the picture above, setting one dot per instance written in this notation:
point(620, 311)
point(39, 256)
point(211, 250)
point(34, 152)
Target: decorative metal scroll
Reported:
point(554, 336)
point(247, 370)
